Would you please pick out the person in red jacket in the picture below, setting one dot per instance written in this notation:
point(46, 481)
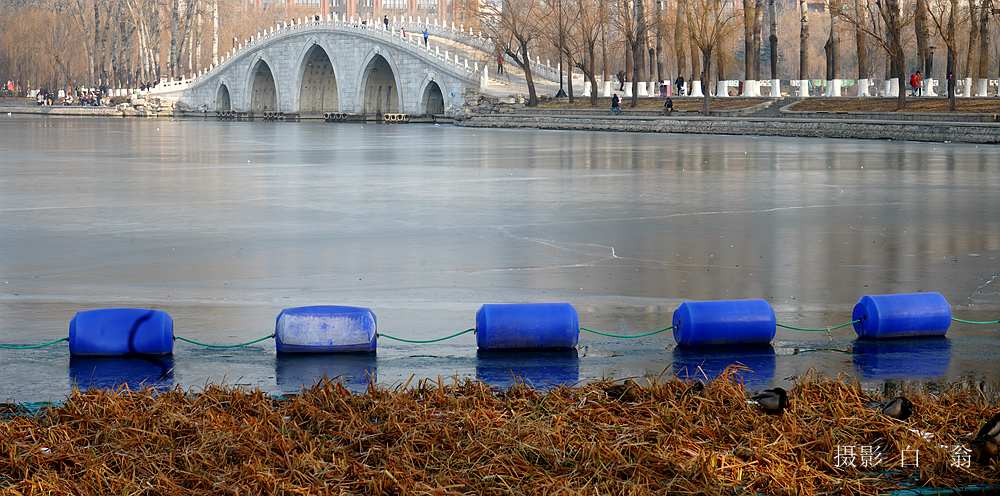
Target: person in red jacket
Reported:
point(916, 81)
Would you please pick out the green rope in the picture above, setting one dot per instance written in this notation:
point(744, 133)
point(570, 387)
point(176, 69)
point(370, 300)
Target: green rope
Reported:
point(31, 346)
point(624, 336)
point(426, 341)
point(976, 322)
point(818, 329)
point(223, 346)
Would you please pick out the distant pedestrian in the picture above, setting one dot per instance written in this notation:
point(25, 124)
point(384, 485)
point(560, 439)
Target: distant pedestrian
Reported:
point(679, 83)
point(427, 37)
point(916, 81)
point(500, 64)
point(385, 20)
point(621, 80)
point(668, 106)
point(616, 104)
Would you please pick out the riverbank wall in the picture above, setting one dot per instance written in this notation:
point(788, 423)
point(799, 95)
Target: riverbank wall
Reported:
point(811, 127)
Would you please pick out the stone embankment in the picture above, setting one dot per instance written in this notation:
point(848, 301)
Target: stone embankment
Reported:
point(775, 119)
point(895, 129)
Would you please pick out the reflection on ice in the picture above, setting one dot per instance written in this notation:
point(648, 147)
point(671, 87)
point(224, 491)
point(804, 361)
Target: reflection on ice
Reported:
point(912, 358)
point(111, 372)
point(355, 371)
point(540, 369)
point(702, 364)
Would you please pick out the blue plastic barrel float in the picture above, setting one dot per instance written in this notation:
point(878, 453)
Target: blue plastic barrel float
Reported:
point(325, 329)
point(724, 323)
point(902, 315)
point(527, 326)
point(121, 331)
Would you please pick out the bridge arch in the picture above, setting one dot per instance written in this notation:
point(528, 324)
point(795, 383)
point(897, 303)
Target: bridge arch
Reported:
point(318, 88)
point(379, 87)
point(432, 97)
point(223, 102)
point(263, 90)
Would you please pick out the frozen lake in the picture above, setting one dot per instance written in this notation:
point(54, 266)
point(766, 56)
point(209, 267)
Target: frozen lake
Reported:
point(224, 224)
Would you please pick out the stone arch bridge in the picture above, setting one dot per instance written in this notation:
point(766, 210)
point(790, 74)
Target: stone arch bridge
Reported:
point(320, 65)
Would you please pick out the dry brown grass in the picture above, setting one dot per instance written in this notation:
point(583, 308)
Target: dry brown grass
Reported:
point(977, 105)
point(605, 438)
point(656, 104)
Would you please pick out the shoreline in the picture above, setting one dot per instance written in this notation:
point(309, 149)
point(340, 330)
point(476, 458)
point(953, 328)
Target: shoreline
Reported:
point(782, 122)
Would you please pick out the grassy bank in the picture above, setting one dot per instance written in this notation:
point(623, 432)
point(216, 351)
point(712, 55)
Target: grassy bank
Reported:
point(605, 438)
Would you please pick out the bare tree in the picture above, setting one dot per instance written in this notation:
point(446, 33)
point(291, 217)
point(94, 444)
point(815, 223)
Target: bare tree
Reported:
point(984, 39)
point(803, 39)
point(832, 46)
point(659, 39)
point(585, 38)
point(709, 22)
point(883, 21)
point(861, 41)
point(752, 14)
point(944, 15)
point(971, 64)
point(922, 33)
point(512, 24)
point(680, 28)
point(773, 38)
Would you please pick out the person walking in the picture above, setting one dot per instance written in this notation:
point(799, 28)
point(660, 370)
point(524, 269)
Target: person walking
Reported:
point(500, 63)
point(616, 104)
point(385, 21)
point(621, 80)
point(679, 83)
point(427, 37)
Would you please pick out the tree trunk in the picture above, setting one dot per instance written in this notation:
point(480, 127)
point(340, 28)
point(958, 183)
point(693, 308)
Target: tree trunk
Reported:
point(970, 56)
point(679, 29)
point(861, 43)
point(773, 38)
point(659, 40)
point(707, 59)
point(952, 55)
point(984, 39)
point(921, 31)
point(197, 37)
point(215, 32)
point(604, 51)
point(526, 67)
point(748, 16)
point(832, 45)
point(638, 49)
point(950, 64)
point(803, 40)
point(651, 52)
point(758, 17)
point(174, 20)
point(896, 55)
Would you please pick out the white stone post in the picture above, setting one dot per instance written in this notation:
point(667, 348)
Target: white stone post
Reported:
point(722, 89)
point(628, 90)
point(929, 85)
point(775, 88)
point(607, 89)
point(982, 88)
point(641, 88)
point(967, 90)
point(863, 85)
point(803, 88)
point(894, 87)
point(696, 89)
point(586, 89)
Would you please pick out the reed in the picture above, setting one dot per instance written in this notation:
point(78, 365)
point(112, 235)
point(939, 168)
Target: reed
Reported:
point(462, 437)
